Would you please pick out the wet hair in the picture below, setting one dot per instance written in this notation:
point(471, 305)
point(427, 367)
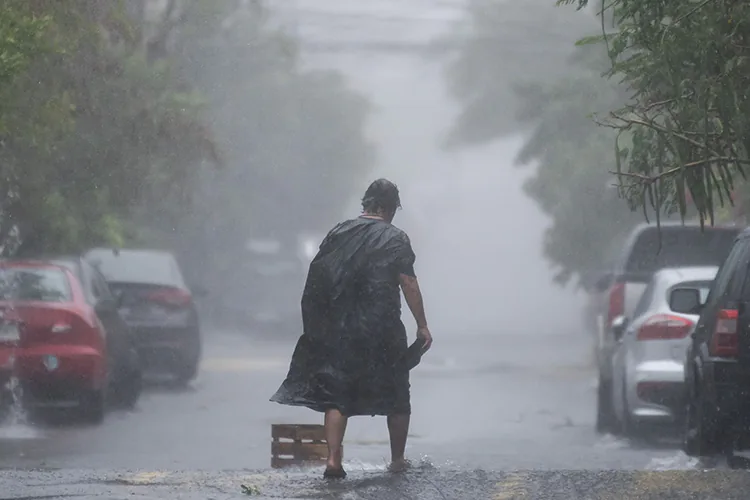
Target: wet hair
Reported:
point(381, 195)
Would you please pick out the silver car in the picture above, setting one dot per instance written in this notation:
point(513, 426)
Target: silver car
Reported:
point(649, 356)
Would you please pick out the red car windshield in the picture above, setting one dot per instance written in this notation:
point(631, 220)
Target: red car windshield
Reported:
point(42, 284)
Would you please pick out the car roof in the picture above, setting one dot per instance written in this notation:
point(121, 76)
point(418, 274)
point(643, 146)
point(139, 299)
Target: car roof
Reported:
point(142, 266)
point(678, 274)
point(131, 251)
point(688, 224)
point(676, 225)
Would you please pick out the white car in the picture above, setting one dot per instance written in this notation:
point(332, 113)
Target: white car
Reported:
point(649, 355)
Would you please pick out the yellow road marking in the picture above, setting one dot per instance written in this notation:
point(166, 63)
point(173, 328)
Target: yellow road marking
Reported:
point(143, 478)
point(241, 364)
point(197, 479)
point(512, 487)
point(665, 482)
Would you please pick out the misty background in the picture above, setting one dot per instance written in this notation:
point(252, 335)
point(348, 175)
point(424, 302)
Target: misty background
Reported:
point(477, 236)
point(237, 133)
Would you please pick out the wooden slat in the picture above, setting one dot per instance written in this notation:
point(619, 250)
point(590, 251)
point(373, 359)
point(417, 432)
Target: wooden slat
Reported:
point(298, 432)
point(301, 451)
point(280, 463)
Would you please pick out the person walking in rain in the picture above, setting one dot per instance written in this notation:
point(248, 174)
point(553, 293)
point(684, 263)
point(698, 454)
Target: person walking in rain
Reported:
point(351, 359)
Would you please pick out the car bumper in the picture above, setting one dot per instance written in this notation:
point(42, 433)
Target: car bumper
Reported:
point(53, 375)
point(655, 391)
point(727, 387)
point(166, 346)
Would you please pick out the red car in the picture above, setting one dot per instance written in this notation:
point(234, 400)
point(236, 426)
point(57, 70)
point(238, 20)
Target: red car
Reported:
point(61, 336)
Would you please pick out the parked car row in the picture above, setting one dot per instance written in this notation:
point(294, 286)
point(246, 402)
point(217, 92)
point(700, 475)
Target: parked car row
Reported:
point(675, 338)
point(618, 295)
point(79, 331)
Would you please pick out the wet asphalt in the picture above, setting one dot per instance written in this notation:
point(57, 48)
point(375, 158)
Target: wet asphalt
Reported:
point(495, 416)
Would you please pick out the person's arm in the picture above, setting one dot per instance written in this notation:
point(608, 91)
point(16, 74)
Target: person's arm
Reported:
point(413, 296)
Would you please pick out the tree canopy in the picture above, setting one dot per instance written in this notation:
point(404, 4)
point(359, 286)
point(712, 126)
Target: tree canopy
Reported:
point(87, 123)
point(572, 182)
point(293, 141)
point(686, 127)
point(114, 118)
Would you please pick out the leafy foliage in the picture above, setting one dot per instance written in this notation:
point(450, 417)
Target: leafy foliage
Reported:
point(113, 119)
point(292, 140)
point(688, 123)
point(88, 123)
point(572, 183)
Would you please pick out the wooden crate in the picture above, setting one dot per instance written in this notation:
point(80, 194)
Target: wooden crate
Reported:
point(298, 445)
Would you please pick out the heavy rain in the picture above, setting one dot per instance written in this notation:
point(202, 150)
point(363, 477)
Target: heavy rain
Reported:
point(571, 183)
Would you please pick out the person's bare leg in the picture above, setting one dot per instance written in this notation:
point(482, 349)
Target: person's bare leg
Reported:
point(335, 427)
point(398, 428)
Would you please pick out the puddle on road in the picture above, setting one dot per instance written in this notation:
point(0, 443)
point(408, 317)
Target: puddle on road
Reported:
point(18, 432)
point(679, 461)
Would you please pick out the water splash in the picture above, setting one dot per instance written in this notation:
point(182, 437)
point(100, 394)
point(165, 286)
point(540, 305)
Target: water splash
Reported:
point(679, 461)
point(15, 425)
point(610, 442)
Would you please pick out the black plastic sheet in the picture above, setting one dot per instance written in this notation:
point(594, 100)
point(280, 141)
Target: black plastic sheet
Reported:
point(351, 355)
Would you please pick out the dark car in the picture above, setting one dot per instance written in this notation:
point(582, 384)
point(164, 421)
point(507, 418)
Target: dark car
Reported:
point(157, 305)
point(71, 347)
point(717, 366)
point(647, 250)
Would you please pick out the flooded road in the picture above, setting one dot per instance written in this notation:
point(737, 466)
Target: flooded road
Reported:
point(496, 401)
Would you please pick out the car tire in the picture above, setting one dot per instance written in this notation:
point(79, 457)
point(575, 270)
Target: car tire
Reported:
point(129, 390)
point(92, 407)
point(186, 373)
point(606, 421)
point(130, 384)
point(6, 403)
point(187, 369)
point(700, 438)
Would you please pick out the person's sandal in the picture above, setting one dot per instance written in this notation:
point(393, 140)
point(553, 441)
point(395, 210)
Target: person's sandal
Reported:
point(334, 473)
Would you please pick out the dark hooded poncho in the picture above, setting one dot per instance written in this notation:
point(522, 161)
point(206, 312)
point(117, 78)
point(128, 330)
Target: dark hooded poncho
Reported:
point(350, 355)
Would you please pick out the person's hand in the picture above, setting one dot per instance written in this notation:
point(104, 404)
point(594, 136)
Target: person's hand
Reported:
point(424, 334)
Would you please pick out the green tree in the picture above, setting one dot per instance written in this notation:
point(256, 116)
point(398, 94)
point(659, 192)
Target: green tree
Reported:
point(89, 123)
point(293, 141)
point(572, 183)
point(686, 65)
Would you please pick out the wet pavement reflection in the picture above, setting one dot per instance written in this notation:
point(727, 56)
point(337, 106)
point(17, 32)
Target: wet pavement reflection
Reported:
point(481, 402)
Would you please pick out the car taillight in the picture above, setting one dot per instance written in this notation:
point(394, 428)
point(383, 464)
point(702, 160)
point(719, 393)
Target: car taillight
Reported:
point(664, 327)
point(725, 340)
point(170, 296)
point(616, 302)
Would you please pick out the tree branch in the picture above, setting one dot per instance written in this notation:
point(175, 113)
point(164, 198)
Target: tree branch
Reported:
point(650, 179)
point(629, 122)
